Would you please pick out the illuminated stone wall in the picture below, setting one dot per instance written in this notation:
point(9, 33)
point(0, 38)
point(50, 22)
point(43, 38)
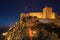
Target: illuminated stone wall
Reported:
point(46, 14)
point(24, 15)
point(38, 14)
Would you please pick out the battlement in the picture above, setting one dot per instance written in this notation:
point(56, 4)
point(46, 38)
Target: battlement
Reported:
point(46, 14)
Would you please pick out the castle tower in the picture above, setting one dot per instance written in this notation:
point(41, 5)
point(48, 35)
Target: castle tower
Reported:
point(47, 12)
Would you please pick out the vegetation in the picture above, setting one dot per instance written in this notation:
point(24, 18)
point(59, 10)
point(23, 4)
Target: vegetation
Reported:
point(43, 34)
point(43, 31)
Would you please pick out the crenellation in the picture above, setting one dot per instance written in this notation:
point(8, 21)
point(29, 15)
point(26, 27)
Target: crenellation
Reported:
point(46, 14)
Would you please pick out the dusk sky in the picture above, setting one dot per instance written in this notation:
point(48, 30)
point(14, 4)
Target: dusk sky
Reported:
point(10, 9)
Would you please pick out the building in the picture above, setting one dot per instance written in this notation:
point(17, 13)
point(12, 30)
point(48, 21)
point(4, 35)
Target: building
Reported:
point(46, 14)
point(58, 17)
point(23, 28)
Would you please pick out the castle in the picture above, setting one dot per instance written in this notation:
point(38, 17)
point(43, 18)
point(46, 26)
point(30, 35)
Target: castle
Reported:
point(22, 27)
point(46, 14)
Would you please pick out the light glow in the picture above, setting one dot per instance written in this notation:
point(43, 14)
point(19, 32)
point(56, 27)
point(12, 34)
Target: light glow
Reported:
point(4, 34)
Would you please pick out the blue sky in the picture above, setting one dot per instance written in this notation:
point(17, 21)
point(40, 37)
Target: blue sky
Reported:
point(10, 9)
